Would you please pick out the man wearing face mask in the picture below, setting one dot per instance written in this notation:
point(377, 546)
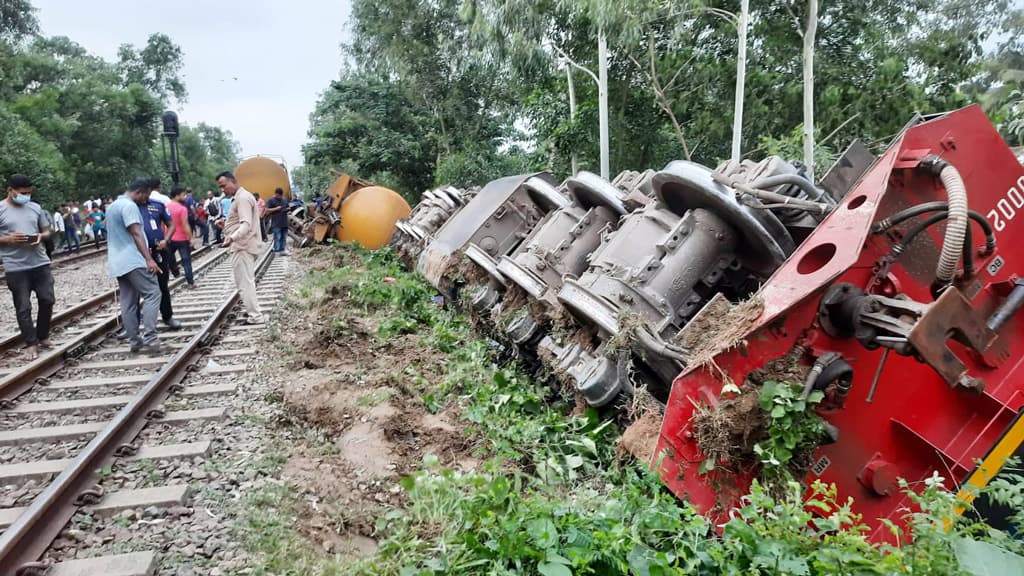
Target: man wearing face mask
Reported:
point(23, 229)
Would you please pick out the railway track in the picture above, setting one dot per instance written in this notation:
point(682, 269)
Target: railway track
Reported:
point(61, 258)
point(65, 322)
point(91, 405)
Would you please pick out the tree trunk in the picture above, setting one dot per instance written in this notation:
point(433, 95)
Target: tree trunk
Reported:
point(812, 29)
point(572, 111)
point(602, 99)
point(741, 78)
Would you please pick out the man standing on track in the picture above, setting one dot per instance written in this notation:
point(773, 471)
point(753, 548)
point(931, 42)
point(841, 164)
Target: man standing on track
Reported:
point(242, 239)
point(277, 208)
point(71, 230)
point(213, 215)
point(22, 229)
point(129, 261)
point(58, 226)
point(155, 219)
point(180, 236)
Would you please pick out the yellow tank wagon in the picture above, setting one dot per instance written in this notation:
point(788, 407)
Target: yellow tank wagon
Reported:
point(354, 210)
point(261, 175)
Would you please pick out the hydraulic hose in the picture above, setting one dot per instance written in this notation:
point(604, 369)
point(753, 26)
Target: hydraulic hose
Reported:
point(657, 346)
point(968, 245)
point(908, 213)
point(903, 215)
point(956, 228)
point(804, 184)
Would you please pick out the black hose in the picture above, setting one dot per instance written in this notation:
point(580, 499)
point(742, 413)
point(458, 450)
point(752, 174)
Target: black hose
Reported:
point(990, 235)
point(968, 248)
point(916, 229)
point(907, 213)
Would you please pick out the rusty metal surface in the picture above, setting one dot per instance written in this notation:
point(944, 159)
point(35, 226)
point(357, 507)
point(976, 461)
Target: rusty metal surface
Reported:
point(951, 316)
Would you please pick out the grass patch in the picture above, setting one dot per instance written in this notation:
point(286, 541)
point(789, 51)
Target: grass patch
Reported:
point(374, 398)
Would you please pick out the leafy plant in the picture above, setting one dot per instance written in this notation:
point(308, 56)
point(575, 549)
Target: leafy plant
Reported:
point(793, 427)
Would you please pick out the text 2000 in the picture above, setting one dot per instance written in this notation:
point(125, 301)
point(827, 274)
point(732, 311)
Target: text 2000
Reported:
point(1008, 206)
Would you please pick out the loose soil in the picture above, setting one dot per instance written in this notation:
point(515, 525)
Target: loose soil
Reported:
point(726, 433)
point(357, 396)
point(641, 437)
point(718, 327)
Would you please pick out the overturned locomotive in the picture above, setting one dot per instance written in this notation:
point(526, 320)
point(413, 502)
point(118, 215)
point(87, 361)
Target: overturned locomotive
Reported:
point(885, 289)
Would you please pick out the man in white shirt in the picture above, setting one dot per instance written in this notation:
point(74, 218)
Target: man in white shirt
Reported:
point(58, 228)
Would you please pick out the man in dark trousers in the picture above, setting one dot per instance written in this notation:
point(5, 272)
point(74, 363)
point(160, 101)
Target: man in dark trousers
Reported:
point(23, 230)
point(129, 260)
point(155, 217)
point(277, 210)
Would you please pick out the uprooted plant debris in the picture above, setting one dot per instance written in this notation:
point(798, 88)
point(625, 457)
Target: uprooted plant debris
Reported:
point(764, 426)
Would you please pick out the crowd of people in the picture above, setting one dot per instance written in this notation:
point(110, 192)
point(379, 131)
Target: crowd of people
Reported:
point(149, 238)
point(77, 223)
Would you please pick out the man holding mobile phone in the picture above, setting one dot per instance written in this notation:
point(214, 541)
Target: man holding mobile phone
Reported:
point(23, 228)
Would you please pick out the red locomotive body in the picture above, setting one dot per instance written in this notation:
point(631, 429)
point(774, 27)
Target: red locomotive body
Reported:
point(949, 398)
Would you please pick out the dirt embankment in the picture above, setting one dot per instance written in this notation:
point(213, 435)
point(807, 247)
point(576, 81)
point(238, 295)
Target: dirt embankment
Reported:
point(357, 400)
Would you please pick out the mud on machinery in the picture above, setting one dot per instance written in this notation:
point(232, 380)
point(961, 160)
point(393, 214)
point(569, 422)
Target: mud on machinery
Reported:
point(889, 288)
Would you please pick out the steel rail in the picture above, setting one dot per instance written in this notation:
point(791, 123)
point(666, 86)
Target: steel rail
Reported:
point(25, 377)
point(11, 340)
point(69, 259)
point(25, 541)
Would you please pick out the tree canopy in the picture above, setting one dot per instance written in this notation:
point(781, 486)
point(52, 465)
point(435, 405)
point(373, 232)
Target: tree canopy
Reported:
point(81, 126)
point(482, 84)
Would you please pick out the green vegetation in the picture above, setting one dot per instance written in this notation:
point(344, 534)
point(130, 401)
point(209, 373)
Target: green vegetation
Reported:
point(463, 91)
point(552, 499)
point(793, 427)
point(81, 126)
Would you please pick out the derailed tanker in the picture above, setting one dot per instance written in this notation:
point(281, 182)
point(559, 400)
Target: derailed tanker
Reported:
point(354, 210)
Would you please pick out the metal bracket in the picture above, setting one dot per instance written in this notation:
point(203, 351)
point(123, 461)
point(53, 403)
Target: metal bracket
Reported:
point(90, 496)
point(951, 316)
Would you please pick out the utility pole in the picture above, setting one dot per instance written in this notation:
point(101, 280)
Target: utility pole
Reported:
point(809, 36)
point(741, 77)
point(170, 134)
point(602, 99)
point(572, 111)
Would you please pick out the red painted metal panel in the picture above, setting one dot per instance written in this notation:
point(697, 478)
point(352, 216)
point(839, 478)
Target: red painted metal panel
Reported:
point(916, 423)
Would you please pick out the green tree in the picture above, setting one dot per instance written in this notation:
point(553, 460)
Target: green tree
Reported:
point(157, 66)
point(372, 129)
point(17, 20)
point(82, 126)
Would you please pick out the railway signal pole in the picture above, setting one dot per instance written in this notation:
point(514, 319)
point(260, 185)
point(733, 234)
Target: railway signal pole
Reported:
point(170, 134)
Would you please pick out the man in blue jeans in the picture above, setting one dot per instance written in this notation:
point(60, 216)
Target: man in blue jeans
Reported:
point(23, 229)
point(71, 230)
point(129, 260)
point(277, 209)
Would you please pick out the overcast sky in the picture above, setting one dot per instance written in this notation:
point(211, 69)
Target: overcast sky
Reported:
point(253, 67)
